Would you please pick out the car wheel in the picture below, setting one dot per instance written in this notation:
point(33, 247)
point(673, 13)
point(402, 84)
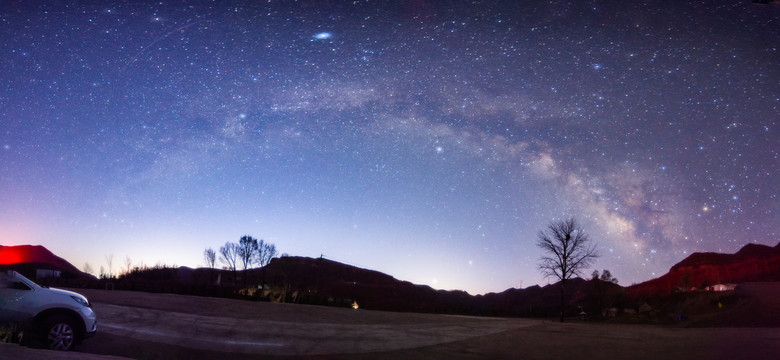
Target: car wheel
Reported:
point(58, 331)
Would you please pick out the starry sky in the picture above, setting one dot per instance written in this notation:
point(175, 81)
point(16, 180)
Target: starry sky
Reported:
point(430, 140)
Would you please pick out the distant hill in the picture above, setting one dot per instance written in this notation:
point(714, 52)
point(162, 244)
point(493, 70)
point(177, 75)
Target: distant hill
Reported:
point(341, 283)
point(27, 258)
point(326, 282)
point(376, 290)
point(307, 277)
point(752, 263)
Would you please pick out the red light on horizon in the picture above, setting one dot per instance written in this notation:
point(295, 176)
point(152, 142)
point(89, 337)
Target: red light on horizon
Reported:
point(10, 256)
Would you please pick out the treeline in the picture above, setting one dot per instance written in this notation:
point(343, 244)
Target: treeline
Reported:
point(242, 261)
point(248, 253)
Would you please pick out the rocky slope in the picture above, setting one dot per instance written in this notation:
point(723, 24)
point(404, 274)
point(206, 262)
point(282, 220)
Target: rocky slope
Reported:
point(751, 263)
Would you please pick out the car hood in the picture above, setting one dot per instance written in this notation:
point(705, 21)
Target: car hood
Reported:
point(66, 293)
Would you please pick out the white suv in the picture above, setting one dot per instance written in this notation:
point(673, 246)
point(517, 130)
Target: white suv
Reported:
point(60, 317)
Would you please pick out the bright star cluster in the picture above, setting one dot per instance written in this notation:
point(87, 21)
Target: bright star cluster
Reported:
point(430, 142)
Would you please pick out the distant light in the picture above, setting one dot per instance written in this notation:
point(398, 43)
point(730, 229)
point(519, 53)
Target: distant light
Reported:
point(323, 36)
point(597, 66)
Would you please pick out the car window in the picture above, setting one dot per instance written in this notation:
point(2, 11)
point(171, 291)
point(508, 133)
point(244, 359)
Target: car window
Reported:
point(10, 282)
point(18, 285)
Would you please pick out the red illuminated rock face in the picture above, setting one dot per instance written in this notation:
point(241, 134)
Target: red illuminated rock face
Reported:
point(751, 263)
point(34, 254)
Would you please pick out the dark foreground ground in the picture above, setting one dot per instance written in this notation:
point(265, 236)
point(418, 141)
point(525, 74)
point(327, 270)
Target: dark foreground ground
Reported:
point(160, 326)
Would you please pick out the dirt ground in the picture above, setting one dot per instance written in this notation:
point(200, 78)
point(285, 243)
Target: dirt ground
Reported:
point(161, 326)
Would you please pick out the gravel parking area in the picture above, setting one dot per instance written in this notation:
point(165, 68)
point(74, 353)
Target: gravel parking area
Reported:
point(162, 326)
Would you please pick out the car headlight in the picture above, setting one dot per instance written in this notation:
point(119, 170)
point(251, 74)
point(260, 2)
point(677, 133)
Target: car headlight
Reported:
point(80, 300)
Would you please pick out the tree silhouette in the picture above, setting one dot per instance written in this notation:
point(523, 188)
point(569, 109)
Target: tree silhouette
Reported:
point(247, 251)
point(605, 276)
point(110, 262)
point(211, 257)
point(88, 268)
point(567, 252)
point(602, 286)
point(265, 252)
point(128, 264)
point(228, 255)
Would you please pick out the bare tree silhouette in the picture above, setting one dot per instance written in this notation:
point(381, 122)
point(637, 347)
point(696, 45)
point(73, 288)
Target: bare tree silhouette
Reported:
point(110, 262)
point(228, 255)
point(128, 264)
point(88, 268)
point(247, 251)
point(265, 252)
point(567, 252)
point(211, 257)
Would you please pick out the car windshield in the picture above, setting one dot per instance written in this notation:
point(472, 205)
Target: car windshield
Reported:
point(10, 278)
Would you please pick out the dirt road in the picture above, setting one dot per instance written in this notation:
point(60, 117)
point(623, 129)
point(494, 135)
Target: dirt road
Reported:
point(255, 328)
point(154, 326)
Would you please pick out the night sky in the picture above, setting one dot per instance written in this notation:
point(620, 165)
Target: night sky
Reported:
point(429, 140)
